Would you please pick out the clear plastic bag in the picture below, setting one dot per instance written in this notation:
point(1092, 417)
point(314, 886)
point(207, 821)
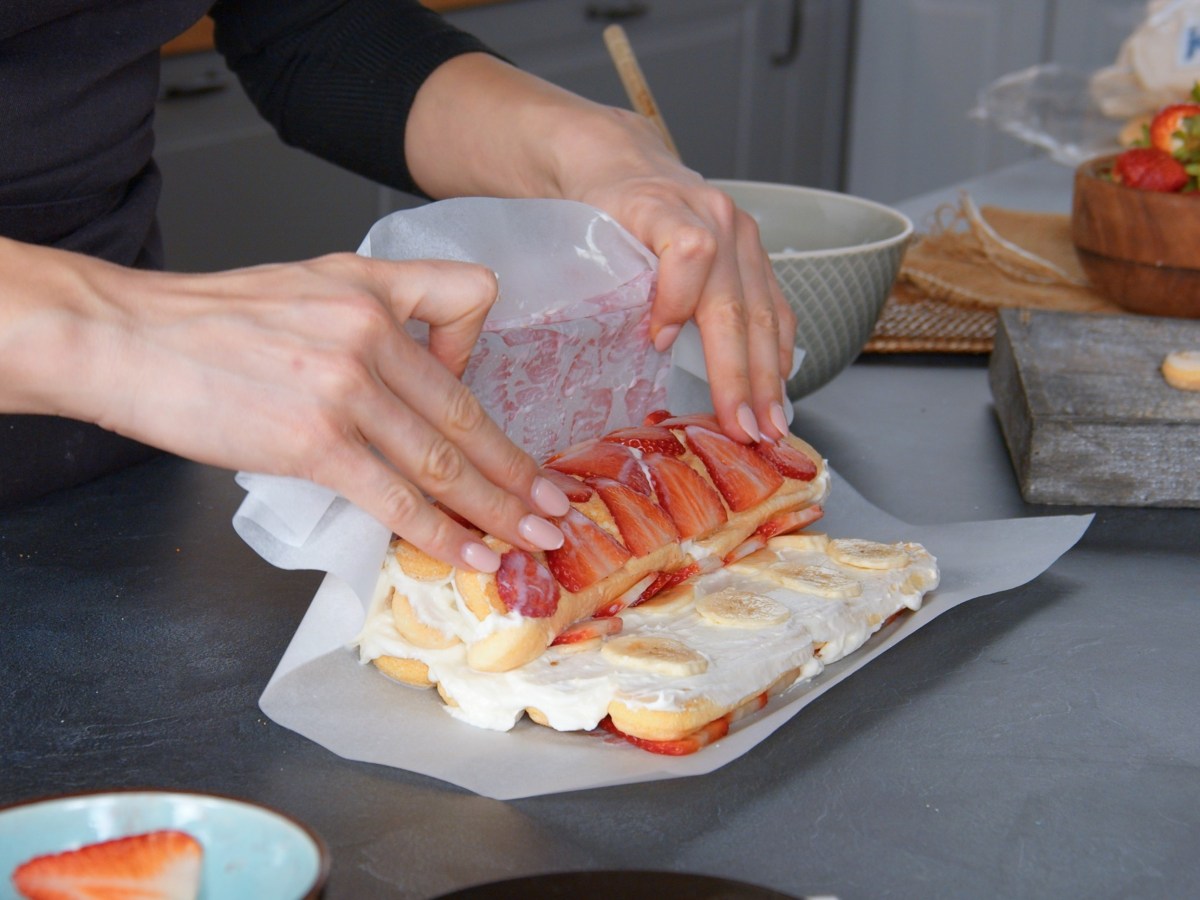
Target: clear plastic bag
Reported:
point(1075, 115)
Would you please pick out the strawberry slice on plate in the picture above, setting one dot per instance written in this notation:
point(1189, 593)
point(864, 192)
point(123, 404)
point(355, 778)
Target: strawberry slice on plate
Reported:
point(786, 459)
point(742, 476)
point(689, 500)
point(526, 586)
point(156, 865)
point(644, 526)
point(602, 459)
point(647, 438)
point(588, 553)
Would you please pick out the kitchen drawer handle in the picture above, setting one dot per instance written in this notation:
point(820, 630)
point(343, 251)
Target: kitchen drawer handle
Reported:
point(595, 12)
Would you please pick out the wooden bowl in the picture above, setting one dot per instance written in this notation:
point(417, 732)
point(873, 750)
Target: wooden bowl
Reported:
point(1141, 249)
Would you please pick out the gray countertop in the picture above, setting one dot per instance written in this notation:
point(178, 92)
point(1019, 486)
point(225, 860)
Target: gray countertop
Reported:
point(1041, 742)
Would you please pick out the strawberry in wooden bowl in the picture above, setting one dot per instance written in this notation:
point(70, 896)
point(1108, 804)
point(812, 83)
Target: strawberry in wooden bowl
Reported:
point(1135, 218)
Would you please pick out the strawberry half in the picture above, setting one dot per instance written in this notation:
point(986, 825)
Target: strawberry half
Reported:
point(526, 586)
point(655, 416)
point(647, 438)
point(787, 522)
point(742, 476)
point(786, 459)
point(1167, 131)
point(1149, 169)
point(588, 553)
point(643, 525)
point(602, 459)
point(700, 420)
point(157, 865)
point(589, 630)
point(576, 490)
point(689, 500)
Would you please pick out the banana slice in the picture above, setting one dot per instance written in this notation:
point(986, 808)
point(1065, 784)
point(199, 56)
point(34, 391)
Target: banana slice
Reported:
point(736, 608)
point(805, 543)
point(812, 579)
point(867, 554)
point(657, 655)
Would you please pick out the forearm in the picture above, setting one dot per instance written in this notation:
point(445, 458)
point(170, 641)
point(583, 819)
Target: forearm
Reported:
point(47, 350)
point(480, 127)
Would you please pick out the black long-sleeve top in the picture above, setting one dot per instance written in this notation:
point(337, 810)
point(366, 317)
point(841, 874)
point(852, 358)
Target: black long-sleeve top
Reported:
point(78, 84)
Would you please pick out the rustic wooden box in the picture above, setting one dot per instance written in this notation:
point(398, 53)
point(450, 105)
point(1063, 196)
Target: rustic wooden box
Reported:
point(1085, 411)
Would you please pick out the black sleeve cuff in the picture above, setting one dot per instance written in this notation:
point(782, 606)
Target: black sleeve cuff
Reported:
point(338, 77)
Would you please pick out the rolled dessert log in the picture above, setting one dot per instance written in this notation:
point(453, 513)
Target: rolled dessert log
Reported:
point(651, 505)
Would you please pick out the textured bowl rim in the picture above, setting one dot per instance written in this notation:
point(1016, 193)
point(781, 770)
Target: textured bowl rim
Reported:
point(905, 233)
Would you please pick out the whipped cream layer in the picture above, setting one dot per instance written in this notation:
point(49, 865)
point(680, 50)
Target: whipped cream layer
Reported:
point(572, 685)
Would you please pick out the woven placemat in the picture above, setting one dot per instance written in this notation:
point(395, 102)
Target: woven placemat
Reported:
point(912, 323)
point(971, 263)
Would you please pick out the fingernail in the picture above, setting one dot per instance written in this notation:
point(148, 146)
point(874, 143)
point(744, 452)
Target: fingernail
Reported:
point(666, 337)
point(779, 419)
point(745, 417)
point(540, 533)
point(548, 498)
point(481, 557)
point(783, 393)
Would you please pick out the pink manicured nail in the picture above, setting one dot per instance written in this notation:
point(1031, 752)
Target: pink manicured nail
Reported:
point(778, 419)
point(745, 417)
point(480, 557)
point(540, 533)
point(548, 498)
point(666, 337)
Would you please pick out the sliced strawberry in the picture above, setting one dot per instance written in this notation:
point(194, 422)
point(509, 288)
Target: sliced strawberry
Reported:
point(643, 524)
point(786, 459)
point(655, 416)
point(589, 629)
point(647, 438)
point(602, 459)
point(588, 553)
point(576, 490)
point(787, 522)
point(526, 586)
point(664, 580)
point(689, 500)
point(1149, 169)
point(684, 746)
point(742, 476)
point(699, 420)
point(1167, 127)
point(157, 865)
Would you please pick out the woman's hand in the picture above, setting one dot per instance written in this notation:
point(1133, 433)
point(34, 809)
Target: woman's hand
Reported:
point(481, 127)
point(297, 369)
point(712, 267)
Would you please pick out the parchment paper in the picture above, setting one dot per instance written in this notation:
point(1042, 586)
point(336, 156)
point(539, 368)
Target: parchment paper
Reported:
point(321, 691)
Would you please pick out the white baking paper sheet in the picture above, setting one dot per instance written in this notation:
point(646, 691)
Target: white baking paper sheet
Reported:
point(321, 691)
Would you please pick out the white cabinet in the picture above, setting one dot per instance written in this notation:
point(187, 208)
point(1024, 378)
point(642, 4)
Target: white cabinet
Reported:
point(920, 65)
point(749, 88)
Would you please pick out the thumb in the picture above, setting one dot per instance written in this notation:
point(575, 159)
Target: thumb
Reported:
point(454, 298)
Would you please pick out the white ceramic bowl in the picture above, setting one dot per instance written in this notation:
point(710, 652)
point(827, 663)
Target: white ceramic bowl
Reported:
point(836, 257)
